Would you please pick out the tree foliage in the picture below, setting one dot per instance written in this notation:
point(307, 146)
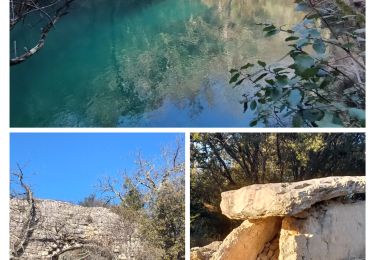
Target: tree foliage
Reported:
point(320, 81)
point(92, 201)
point(153, 198)
point(225, 161)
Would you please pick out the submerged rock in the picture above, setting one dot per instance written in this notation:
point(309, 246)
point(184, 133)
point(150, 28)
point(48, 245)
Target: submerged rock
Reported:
point(286, 199)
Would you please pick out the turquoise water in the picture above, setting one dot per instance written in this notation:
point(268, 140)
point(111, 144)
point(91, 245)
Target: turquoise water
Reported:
point(161, 63)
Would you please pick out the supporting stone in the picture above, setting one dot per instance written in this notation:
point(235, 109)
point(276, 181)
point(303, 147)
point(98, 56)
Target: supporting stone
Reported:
point(331, 230)
point(248, 240)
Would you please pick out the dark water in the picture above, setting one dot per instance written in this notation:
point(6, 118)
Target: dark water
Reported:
point(155, 63)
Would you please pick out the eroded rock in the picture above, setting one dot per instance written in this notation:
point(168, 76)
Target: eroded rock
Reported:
point(331, 230)
point(248, 240)
point(286, 199)
point(204, 253)
point(64, 227)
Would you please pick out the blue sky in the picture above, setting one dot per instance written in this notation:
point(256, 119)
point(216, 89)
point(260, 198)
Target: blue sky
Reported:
point(67, 166)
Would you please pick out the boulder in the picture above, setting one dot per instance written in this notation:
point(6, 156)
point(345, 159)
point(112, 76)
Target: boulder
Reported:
point(248, 240)
point(331, 230)
point(286, 199)
point(204, 253)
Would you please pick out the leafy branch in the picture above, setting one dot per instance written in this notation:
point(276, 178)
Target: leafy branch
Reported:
point(309, 88)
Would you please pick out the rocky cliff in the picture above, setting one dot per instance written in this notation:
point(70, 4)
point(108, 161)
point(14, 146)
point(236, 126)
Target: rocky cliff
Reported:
point(60, 230)
point(315, 219)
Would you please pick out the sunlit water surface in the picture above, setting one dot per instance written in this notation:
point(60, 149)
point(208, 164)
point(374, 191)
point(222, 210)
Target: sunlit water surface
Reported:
point(158, 63)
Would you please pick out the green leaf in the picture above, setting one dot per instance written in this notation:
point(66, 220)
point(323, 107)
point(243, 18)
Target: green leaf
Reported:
point(253, 105)
point(313, 32)
point(329, 120)
point(254, 122)
point(294, 97)
point(275, 94)
point(271, 33)
point(245, 107)
point(276, 70)
point(269, 28)
point(325, 83)
point(302, 42)
point(234, 78)
point(303, 61)
point(308, 73)
point(357, 113)
point(267, 92)
point(297, 120)
point(310, 85)
point(260, 77)
point(239, 82)
point(262, 101)
point(282, 80)
point(313, 16)
point(313, 115)
point(319, 46)
point(291, 38)
point(270, 81)
point(248, 65)
point(262, 63)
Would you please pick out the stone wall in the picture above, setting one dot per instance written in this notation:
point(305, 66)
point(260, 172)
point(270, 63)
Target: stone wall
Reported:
point(314, 219)
point(63, 229)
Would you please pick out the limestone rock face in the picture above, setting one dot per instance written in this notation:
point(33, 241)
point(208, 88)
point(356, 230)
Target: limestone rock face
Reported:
point(248, 240)
point(204, 253)
point(286, 199)
point(331, 230)
point(64, 227)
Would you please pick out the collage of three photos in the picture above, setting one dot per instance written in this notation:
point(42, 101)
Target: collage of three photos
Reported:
point(165, 129)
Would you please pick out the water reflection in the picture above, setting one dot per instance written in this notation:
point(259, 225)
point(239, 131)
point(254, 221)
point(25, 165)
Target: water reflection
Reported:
point(153, 63)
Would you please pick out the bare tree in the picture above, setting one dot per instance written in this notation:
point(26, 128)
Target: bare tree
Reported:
point(27, 217)
point(146, 175)
point(161, 186)
point(50, 12)
point(58, 236)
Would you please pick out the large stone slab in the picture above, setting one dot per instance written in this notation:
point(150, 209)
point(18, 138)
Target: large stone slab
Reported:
point(331, 230)
point(282, 199)
point(248, 240)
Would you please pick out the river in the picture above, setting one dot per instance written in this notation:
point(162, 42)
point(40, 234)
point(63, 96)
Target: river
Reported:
point(161, 63)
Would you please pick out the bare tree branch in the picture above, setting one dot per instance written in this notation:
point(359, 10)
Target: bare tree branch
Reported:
point(31, 219)
point(19, 12)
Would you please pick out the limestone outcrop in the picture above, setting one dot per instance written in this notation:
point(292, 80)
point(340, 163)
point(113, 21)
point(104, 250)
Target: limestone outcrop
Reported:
point(332, 230)
point(62, 230)
point(286, 199)
point(314, 219)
